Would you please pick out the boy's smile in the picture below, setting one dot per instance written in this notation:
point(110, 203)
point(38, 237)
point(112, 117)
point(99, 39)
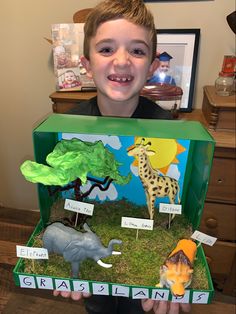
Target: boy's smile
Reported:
point(120, 61)
point(120, 78)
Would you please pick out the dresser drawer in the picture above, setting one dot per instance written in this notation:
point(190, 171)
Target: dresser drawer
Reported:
point(220, 257)
point(219, 220)
point(222, 180)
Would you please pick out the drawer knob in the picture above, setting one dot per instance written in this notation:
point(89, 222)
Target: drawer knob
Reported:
point(211, 223)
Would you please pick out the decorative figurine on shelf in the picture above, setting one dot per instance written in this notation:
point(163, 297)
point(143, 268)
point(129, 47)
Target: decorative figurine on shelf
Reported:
point(176, 273)
point(154, 184)
point(77, 246)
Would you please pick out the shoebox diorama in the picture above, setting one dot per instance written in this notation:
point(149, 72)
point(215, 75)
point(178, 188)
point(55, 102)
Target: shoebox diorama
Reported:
point(120, 203)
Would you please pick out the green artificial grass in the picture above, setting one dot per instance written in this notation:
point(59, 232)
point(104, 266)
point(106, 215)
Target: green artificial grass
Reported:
point(141, 257)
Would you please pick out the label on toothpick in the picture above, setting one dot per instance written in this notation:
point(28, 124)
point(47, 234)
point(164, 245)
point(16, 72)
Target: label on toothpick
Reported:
point(170, 208)
point(79, 207)
point(31, 252)
point(203, 238)
point(136, 223)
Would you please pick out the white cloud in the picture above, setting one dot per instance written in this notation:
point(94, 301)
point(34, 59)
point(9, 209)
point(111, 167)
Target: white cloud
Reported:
point(134, 170)
point(173, 172)
point(110, 140)
point(110, 194)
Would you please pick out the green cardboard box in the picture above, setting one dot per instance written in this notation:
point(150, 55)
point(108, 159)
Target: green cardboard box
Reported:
point(180, 149)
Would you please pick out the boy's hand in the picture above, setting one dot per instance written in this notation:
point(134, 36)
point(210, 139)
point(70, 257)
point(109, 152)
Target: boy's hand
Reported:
point(164, 307)
point(74, 295)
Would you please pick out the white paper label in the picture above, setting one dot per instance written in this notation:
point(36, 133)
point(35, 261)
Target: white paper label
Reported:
point(140, 293)
point(200, 297)
point(44, 283)
point(170, 208)
point(182, 299)
point(27, 282)
point(137, 223)
point(79, 207)
point(204, 238)
point(62, 285)
point(81, 286)
point(160, 294)
point(120, 291)
point(31, 252)
point(100, 289)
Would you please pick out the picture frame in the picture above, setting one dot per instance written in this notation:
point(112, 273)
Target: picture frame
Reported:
point(67, 49)
point(182, 47)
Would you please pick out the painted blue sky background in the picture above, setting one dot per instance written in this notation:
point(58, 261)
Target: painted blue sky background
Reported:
point(133, 191)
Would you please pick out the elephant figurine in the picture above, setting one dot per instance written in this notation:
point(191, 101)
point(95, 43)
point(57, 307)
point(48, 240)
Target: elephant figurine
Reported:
point(76, 246)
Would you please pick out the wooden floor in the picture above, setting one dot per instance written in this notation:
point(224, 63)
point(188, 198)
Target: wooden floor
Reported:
point(15, 228)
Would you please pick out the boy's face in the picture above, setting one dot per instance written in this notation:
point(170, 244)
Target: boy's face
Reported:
point(164, 66)
point(120, 59)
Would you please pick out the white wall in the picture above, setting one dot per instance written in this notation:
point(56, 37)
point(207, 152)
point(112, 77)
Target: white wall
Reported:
point(27, 80)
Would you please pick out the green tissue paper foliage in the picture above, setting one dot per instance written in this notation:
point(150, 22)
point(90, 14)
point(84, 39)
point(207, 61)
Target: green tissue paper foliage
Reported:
point(72, 159)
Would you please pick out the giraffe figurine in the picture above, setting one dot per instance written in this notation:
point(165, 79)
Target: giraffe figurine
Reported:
point(155, 185)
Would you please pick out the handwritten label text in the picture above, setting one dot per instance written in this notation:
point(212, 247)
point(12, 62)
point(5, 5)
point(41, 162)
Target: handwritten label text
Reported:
point(79, 207)
point(136, 223)
point(31, 252)
point(204, 238)
point(170, 208)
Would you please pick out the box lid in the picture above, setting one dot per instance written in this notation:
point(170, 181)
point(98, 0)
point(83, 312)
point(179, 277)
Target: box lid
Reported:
point(192, 130)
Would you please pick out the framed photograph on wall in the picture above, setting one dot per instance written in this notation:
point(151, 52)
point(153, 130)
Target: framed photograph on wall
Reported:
point(174, 79)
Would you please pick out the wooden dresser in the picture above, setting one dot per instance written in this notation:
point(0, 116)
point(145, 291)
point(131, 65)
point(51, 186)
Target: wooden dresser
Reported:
point(219, 217)
point(64, 101)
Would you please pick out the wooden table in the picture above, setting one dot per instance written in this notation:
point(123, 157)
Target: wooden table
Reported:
point(15, 228)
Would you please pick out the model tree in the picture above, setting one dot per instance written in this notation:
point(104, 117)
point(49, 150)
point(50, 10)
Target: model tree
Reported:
point(72, 163)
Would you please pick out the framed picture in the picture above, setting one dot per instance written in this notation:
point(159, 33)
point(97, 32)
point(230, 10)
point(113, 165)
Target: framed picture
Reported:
point(174, 79)
point(67, 47)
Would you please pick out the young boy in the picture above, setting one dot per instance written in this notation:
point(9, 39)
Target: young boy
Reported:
point(119, 54)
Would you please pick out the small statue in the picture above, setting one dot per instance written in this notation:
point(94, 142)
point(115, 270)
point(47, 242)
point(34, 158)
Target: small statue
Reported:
point(176, 273)
point(76, 246)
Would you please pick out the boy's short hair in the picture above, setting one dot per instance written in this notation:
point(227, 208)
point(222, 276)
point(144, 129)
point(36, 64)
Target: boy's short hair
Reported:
point(134, 11)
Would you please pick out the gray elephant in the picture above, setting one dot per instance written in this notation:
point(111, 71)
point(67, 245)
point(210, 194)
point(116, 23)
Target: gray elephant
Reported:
point(76, 246)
